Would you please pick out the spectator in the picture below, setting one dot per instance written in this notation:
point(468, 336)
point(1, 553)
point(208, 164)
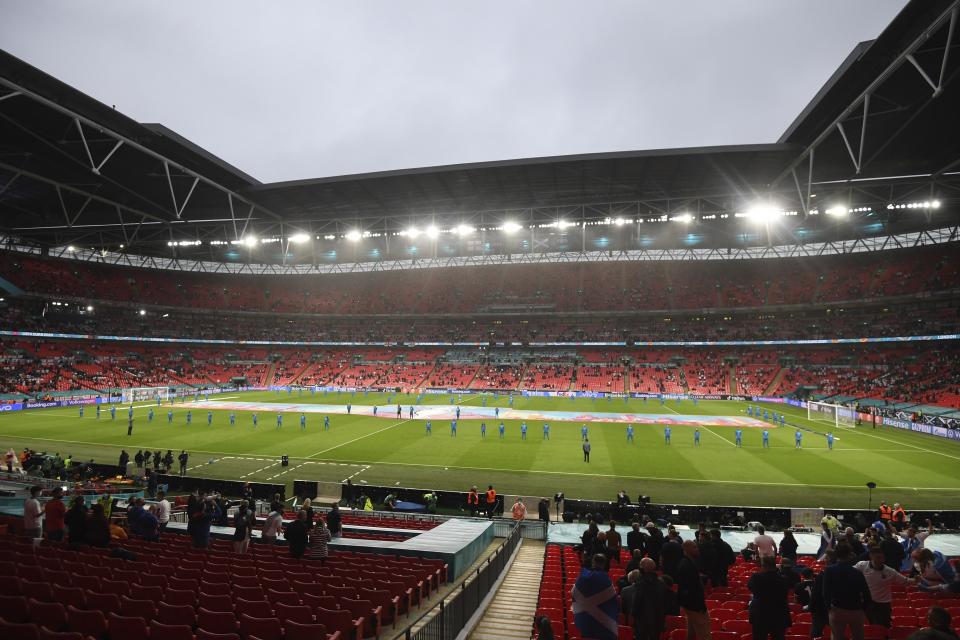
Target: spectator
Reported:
point(296, 535)
point(626, 594)
point(880, 578)
point(654, 544)
point(827, 539)
point(334, 521)
point(319, 537)
point(152, 482)
point(199, 526)
point(788, 573)
point(243, 524)
point(819, 610)
point(519, 509)
point(390, 502)
point(938, 626)
point(163, 510)
point(788, 545)
point(893, 553)
point(249, 497)
point(32, 514)
point(54, 512)
point(723, 558)
point(543, 510)
point(76, 521)
point(588, 542)
point(307, 508)
point(846, 595)
point(766, 546)
point(614, 541)
point(124, 460)
point(899, 517)
point(690, 593)
point(147, 525)
point(182, 459)
point(911, 542)
point(670, 556)
point(544, 628)
point(430, 500)
point(850, 537)
point(98, 527)
point(636, 539)
point(652, 602)
point(931, 567)
point(272, 527)
point(594, 602)
point(769, 612)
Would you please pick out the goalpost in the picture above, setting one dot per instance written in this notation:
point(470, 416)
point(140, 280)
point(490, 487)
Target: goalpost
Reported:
point(144, 394)
point(835, 414)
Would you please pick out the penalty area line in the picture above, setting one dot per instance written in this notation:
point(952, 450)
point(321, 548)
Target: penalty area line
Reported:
point(366, 435)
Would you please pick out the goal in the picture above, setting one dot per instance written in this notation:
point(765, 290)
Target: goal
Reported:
point(144, 394)
point(835, 414)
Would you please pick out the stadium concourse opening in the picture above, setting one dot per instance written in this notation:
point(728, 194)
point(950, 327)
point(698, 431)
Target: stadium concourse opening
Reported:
point(504, 398)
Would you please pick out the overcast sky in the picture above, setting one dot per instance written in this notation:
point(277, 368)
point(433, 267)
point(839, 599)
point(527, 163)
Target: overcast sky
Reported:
point(296, 89)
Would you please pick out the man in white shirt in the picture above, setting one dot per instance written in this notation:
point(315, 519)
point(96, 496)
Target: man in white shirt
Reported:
point(163, 510)
point(32, 513)
point(766, 546)
point(880, 578)
point(272, 527)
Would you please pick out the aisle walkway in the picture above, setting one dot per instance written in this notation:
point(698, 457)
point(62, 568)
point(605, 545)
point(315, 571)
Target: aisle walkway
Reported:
point(510, 614)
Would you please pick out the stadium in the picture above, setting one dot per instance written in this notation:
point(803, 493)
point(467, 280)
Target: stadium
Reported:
point(732, 338)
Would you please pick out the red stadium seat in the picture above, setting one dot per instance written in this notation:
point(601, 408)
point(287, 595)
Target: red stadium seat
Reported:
point(170, 631)
point(127, 628)
point(90, 623)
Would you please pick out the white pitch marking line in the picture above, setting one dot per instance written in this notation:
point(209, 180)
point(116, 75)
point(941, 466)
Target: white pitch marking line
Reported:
point(367, 435)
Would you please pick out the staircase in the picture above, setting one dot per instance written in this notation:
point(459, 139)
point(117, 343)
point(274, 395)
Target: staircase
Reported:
point(510, 614)
point(775, 383)
point(732, 380)
point(267, 379)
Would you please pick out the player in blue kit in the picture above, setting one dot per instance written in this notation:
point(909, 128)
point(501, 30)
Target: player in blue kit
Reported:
point(510, 402)
point(410, 415)
point(98, 412)
point(113, 413)
point(739, 435)
point(458, 413)
point(326, 423)
point(81, 411)
point(523, 430)
point(483, 429)
point(303, 421)
point(830, 441)
point(130, 412)
point(255, 420)
point(209, 418)
point(349, 407)
point(233, 419)
point(583, 432)
point(429, 428)
point(453, 428)
point(766, 416)
point(766, 439)
point(798, 439)
point(783, 420)
point(158, 400)
point(630, 433)
point(502, 430)
point(496, 412)
point(696, 437)
point(666, 435)
point(189, 417)
point(169, 416)
point(279, 421)
point(750, 410)
point(546, 431)
point(150, 415)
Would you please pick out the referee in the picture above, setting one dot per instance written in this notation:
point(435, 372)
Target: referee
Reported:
point(586, 450)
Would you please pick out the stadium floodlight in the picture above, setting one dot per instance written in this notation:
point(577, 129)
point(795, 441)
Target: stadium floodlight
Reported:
point(433, 231)
point(935, 204)
point(763, 213)
point(464, 229)
point(511, 227)
point(619, 222)
point(143, 312)
point(685, 218)
point(353, 236)
point(837, 210)
point(563, 224)
point(71, 248)
point(299, 238)
point(250, 241)
point(89, 307)
point(413, 232)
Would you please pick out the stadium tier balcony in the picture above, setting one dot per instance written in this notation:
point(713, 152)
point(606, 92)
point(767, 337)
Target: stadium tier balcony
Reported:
point(615, 286)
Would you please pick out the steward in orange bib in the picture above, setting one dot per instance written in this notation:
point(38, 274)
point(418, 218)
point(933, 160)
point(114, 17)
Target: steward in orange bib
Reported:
point(491, 501)
point(885, 511)
point(473, 501)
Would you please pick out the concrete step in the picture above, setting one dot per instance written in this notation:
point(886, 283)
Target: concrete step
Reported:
point(510, 614)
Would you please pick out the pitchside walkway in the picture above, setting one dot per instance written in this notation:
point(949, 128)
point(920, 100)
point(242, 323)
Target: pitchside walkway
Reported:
point(510, 614)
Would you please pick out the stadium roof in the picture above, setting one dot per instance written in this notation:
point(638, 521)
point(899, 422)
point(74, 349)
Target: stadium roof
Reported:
point(882, 131)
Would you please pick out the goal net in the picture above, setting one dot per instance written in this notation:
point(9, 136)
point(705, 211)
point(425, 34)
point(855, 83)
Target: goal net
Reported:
point(144, 394)
point(834, 414)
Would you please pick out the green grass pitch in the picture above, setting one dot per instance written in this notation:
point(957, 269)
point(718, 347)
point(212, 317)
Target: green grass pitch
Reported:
point(916, 470)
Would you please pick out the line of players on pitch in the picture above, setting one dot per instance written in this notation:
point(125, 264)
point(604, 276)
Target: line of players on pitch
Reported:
point(501, 428)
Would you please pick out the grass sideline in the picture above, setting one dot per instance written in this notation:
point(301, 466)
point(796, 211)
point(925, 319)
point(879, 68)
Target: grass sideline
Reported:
point(916, 470)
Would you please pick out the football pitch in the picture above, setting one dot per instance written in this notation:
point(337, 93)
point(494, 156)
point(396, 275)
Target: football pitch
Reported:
point(916, 470)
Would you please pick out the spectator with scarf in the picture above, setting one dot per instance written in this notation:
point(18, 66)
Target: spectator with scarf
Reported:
point(594, 602)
